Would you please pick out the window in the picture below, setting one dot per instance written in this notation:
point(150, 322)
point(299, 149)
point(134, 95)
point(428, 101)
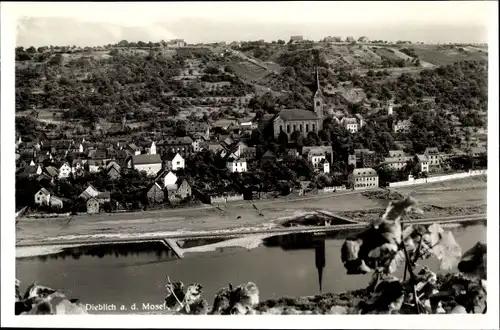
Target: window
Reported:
point(314, 127)
point(288, 128)
point(178, 163)
point(307, 128)
point(300, 127)
point(294, 127)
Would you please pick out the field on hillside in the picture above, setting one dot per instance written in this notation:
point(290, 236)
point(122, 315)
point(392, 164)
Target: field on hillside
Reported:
point(248, 71)
point(437, 55)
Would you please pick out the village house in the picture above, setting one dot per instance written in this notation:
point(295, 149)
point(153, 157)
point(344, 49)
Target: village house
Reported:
point(248, 124)
point(31, 171)
point(434, 157)
point(249, 153)
point(179, 191)
point(362, 178)
point(365, 158)
point(167, 178)
point(198, 128)
point(350, 124)
point(324, 166)
point(174, 162)
point(239, 165)
point(182, 145)
point(155, 194)
point(152, 149)
point(478, 151)
point(113, 173)
point(42, 197)
point(94, 165)
point(90, 191)
point(92, 205)
point(51, 171)
point(351, 160)
point(64, 171)
point(402, 126)
point(133, 149)
point(215, 147)
point(423, 161)
point(296, 39)
point(151, 164)
point(397, 163)
point(232, 149)
point(327, 151)
point(199, 143)
point(45, 198)
point(174, 43)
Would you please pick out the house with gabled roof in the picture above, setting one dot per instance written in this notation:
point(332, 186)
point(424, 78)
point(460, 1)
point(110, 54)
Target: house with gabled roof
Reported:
point(91, 191)
point(52, 171)
point(42, 197)
point(180, 191)
point(175, 161)
point(151, 164)
point(155, 194)
point(64, 171)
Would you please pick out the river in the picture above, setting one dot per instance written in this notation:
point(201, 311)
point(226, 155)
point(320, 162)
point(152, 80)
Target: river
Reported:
point(286, 265)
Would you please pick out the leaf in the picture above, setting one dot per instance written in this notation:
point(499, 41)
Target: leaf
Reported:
point(448, 251)
point(398, 260)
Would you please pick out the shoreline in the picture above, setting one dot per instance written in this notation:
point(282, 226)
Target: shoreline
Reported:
point(246, 237)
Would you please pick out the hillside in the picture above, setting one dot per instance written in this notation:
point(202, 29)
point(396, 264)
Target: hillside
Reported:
point(105, 83)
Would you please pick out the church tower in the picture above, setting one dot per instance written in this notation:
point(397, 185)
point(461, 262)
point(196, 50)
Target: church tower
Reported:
point(318, 98)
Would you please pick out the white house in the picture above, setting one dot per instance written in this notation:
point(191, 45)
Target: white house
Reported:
point(350, 124)
point(316, 158)
point(152, 149)
point(151, 164)
point(42, 197)
point(326, 166)
point(239, 165)
point(169, 180)
point(363, 178)
point(402, 126)
point(423, 161)
point(64, 171)
point(175, 162)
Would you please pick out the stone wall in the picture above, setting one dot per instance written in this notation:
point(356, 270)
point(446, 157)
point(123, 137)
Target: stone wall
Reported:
point(440, 178)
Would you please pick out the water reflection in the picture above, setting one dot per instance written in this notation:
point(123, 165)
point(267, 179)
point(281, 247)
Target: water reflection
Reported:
point(118, 250)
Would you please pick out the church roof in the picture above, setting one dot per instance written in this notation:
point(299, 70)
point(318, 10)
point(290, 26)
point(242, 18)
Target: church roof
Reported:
point(297, 114)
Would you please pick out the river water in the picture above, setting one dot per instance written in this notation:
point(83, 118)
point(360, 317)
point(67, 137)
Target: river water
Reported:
point(286, 265)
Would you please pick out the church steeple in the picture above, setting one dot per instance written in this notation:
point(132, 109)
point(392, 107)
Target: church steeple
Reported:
point(318, 98)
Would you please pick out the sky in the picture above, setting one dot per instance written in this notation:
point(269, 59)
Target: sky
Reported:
point(81, 23)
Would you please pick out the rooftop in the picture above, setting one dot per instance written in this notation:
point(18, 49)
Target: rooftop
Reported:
point(146, 159)
point(364, 172)
point(297, 114)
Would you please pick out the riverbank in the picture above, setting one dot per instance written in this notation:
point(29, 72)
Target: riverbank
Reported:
point(469, 194)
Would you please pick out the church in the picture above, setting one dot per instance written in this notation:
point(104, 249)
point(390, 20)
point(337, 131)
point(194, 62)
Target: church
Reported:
point(298, 120)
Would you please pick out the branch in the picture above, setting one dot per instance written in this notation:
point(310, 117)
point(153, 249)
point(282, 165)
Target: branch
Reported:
point(172, 289)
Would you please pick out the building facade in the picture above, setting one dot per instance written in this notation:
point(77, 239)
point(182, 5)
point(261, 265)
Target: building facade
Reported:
point(363, 178)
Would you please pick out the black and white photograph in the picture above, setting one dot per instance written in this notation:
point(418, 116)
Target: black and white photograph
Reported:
point(206, 159)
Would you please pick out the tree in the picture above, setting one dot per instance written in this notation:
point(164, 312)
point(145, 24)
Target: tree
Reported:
point(283, 139)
